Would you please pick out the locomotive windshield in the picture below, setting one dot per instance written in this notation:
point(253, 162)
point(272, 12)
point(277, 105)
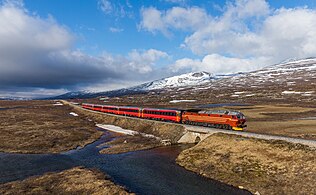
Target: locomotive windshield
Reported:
point(241, 116)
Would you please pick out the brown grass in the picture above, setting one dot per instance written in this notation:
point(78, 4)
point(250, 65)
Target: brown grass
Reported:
point(73, 181)
point(270, 167)
point(270, 111)
point(41, 127)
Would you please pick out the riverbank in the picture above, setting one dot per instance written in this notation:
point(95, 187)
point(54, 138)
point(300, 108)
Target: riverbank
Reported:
point(269, 167)
point(125, 140)
point(77, 180)
point(43, 127)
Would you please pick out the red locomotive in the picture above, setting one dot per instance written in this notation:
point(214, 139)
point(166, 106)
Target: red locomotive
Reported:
point(223, 119)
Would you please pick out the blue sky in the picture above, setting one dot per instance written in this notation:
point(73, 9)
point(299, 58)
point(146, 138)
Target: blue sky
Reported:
point(49, 47)
point(92, 26)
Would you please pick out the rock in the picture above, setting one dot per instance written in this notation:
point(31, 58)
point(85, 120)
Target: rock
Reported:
point(241, 187)
point(257, 193)
point(125, 142)
point(166, 142)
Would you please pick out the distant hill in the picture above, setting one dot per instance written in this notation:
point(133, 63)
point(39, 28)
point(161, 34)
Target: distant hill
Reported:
point(291, 80)
point(184, 80)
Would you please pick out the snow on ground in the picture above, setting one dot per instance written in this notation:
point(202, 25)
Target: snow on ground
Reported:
point(239, 92)
point(177, 101)
point(291, 92)
point(58, 104)
point(298, 92)
point(118, 129)
point(73, 114)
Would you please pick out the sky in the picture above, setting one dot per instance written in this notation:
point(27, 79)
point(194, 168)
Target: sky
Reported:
point(50, 47)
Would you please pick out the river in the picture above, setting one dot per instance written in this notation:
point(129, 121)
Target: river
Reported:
point(143, 172)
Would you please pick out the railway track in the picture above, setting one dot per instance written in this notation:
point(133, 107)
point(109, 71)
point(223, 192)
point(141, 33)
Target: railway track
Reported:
point(199, 129)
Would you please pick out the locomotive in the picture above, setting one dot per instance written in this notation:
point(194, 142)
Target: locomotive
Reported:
point(222, 119)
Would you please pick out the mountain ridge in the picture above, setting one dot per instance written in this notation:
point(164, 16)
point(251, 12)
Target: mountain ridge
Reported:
point(268, 75)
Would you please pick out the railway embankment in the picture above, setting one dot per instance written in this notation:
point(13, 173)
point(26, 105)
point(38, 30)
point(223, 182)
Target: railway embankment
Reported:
point(264, 166)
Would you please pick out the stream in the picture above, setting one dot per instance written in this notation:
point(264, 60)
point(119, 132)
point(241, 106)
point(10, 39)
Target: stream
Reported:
point(143, 172)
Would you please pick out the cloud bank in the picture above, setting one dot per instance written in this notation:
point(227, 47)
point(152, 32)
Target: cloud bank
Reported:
point(247, 34)
point(37, 53)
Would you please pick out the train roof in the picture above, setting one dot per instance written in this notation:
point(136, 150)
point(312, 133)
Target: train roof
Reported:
point(129, 107)
point(163, 109)
point(226, 112)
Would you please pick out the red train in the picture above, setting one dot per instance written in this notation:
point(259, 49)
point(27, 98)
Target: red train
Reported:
point(223, 119)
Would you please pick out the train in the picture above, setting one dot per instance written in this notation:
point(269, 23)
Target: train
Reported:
point(222, 119)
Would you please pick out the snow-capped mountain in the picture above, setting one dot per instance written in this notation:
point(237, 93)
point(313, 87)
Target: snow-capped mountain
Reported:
point(184, 80)
point(189, 79)
point(289, 76)
point(291, 81)
point(292, 72)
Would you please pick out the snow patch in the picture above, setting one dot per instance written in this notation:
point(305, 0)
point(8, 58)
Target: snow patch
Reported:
point(118, 129)
point(298, 92)
point(73, 114)
point(177, 101)
point(239, 92)
point(291, 92)
point(58, 104)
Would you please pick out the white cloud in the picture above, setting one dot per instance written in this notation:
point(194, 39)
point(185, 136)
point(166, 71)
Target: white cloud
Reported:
point(176, 1)
point(154, 20)
point(218, 64)
point(116, 30)
point(144, 61)
point(248, 30)
point(105, 6)
point(115, 8)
